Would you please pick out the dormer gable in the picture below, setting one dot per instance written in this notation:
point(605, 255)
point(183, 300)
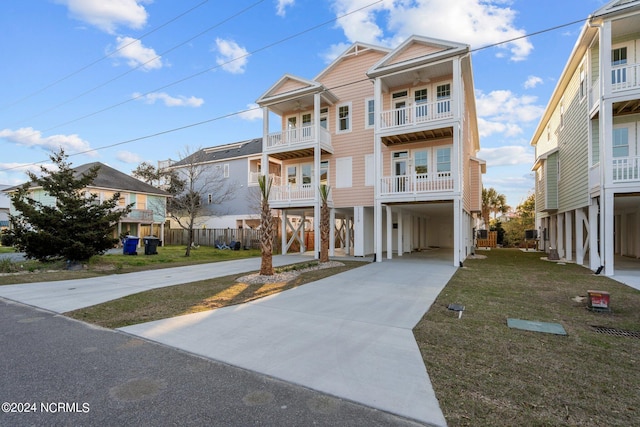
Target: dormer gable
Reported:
point(355, 49)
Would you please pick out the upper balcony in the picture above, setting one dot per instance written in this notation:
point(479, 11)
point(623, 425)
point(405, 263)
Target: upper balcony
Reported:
point(298, 142)
point(415, 114)
point(138, 215)
point(416, 184)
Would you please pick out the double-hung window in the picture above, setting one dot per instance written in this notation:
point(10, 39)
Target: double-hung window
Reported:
point(344, 118)
point(621, 142)
point(443, 97)
point(371, 117)
point(443, 159)
point(420, 98)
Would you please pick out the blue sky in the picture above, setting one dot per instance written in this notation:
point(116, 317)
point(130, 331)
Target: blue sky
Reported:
point(112, 78)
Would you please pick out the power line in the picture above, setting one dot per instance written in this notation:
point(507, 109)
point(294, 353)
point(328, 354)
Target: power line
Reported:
point(91, 64)
point(142, 64)
point(254, 109)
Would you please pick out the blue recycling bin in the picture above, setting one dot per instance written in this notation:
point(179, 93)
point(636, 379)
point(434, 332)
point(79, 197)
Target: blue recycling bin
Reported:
point(130, 245)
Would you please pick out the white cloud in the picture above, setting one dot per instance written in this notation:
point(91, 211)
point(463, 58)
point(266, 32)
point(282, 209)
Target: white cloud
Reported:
point(136, 54)
point(532, 81)
point(107, 15)
point(30, 137)
point(233, 58)
point(128, 157)
point(508, 155)
point(16, 173)
point(475, 22)
point(501, 111)
point(168, 100)
point(282, 5)
point(253, 112)
point(334, 51)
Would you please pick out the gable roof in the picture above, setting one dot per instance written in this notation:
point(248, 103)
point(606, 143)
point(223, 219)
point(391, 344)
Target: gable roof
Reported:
point(223, 152)
point(394, 60)
point(355, 49)
point(112, 179)
point(615, 6)
point(290, 87)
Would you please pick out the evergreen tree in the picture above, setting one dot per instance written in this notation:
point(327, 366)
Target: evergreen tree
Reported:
point(75, 227)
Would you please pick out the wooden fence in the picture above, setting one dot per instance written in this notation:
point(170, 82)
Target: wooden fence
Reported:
point(247, 237)
point(490, 242)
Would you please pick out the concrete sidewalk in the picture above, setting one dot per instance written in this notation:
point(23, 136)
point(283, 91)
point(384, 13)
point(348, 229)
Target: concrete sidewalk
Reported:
point(349, 335)
point(67, 295)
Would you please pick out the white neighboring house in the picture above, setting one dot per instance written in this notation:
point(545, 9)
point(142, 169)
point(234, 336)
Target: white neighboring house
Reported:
point(587, 145)
point(4, 207)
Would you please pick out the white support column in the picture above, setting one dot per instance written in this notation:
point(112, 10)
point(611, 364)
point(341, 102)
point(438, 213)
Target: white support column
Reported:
point(347, 239)
point(594, 249)
point(606, 240)
point(389, 233)
point(636, 240)
point(377, 219)
point(569, 236)
point(303, 247)
point(332, 232)
point(317, 152)
point(553, 239)
point(580, 246)
point(400, 231)
point(162, 232)
point(560, 225)
point(283, 232)
point(264, 167)
point(457, 226)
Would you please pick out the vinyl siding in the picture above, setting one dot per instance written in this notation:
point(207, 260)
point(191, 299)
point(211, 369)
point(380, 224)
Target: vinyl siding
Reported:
point(414, 51)
point(573, 140)
point(288, 86)
point(595, 142)
point(551, 182)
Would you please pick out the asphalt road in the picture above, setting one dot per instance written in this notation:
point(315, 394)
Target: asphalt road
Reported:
point(58, 371)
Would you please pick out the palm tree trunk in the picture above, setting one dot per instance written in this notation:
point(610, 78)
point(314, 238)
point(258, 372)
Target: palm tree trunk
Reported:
point(266, 240)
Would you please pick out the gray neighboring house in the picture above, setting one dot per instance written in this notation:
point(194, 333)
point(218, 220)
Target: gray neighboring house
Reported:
point(148, 214)
point(4, 207)
point(238, 165)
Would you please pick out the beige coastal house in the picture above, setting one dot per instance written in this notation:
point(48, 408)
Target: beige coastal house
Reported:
point(587, 144)
point(394, 133)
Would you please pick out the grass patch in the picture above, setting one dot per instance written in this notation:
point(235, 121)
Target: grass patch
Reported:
point(193, 297)
point(168, 256)
point(6, 250)
point(487, 374)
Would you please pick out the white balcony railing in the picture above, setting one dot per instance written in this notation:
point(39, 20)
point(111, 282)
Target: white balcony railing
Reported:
point(138, 214)
point(253, 178)
point(625, 77)
point(299, 136)
point(416, 114)
point(625, 169)
point(292, 192)
point(418, 183)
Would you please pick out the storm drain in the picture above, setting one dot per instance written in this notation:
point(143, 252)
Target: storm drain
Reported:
point(616, 332)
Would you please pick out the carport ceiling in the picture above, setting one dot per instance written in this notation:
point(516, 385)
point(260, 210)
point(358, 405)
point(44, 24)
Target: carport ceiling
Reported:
point(426, 209)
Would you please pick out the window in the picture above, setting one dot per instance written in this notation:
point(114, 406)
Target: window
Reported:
point(443, 159)
point(292, 174)
point(582, 83)
point(226, 170)
point(371, 117)
point(621, 142)
point(306, 174)
point(443, 96)
point(420, 98)
point(344, 118)
point(324, 118)
point(306, 125)
point(324, 172)
point(618, 57)
point(421, 161)
point(397, 95)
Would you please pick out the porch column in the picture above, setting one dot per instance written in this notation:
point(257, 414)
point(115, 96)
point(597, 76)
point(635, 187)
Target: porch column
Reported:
point(594, 249)
point(560, 225)
point(347, 236)
point(264, 167)
point(303, 247)
point(377, 219)
point(332, 232)
point(162, 233)
point(569, 236)
point(606, 240)
point(457, 227)
point(400, 215)
point(389, 232)
point(283, 232)
point(580, 246)
point(317, 152)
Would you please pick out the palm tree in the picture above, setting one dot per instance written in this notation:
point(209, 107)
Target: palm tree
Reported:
point(492, 202)
point(325, 223)
point(266, 224)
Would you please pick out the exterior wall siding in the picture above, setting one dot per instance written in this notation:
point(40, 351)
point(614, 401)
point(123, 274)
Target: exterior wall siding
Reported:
point(414, 51)
point(551, 182)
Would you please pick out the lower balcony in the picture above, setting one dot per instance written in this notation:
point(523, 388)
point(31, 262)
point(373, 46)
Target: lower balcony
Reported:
point(626, 169)
point(416, 184)
point(137, 215)
point(292, 193)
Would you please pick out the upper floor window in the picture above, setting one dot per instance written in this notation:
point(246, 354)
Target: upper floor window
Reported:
point(344, 118)
point(226, 170)
point(370, 120)
point(618, 57)
point(324, 118)
point(621, 142)
point(420, 98)
point(209, 198)
point(443, 96)
point(324, 172)
point(443, 159)
point(421, 161)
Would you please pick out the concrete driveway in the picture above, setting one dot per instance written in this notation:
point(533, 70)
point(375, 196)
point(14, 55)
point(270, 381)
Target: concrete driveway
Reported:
point(349, 335)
